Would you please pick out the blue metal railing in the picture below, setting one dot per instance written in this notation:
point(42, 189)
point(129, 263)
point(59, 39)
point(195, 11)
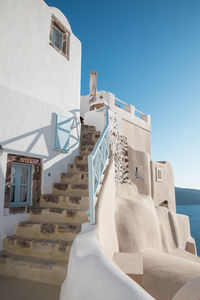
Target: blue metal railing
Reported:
point(96, 165)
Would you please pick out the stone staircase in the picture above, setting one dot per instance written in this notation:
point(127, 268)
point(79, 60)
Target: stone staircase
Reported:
point(40, 248)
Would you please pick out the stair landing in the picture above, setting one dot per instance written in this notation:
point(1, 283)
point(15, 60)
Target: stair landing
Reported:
point(12, 288)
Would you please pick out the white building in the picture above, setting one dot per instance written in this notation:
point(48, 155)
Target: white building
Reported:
point(136, 246)
point(40, 73)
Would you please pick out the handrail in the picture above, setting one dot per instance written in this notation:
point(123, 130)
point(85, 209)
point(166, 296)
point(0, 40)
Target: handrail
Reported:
point(96, 165)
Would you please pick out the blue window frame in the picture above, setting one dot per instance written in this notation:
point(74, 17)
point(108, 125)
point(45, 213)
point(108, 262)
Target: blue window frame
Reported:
point(57, 38)
point(21, 185)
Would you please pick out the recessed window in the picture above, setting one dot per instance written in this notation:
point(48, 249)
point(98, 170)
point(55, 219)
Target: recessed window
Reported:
point(59, 37)
point(139, 171)
point(136, 172)
point(21, 185)
point(159, 174)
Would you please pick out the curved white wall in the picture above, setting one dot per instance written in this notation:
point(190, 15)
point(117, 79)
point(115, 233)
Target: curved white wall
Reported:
point(92, 275)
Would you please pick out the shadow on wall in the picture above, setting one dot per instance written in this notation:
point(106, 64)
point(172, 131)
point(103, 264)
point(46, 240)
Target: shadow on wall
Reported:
point(40, 143)
point(46, 151)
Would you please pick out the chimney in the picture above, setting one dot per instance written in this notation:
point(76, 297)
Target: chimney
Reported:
point(93, 83)
point(93, 88)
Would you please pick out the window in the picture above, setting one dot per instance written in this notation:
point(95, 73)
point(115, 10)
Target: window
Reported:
point(136, 172)
point(139, 171)
point(159, 174)
point(21, 185)
point(59, 37)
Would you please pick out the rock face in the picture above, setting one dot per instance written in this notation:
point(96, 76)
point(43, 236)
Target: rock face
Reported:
point(40, 248)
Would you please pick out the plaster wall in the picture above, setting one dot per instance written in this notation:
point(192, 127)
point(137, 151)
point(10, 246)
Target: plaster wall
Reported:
point(137, 137)
point(163, 190)
point(191, 290)
point(27, 128)
point(105, 213)
point(92, 275)
point(29, 64)
point(95, 118)
point(141, 161)
point(165, 274)
point(160, 236)
point(125, 111)
point(84, 105)
point(136, 221)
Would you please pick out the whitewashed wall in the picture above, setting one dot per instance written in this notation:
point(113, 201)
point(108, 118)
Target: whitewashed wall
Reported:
point(36, 82)
point(28, 63)
point(92, 275)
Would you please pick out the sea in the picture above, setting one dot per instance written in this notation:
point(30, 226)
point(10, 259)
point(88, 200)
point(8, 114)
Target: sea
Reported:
point(193, 211)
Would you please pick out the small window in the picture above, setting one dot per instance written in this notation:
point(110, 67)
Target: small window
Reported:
point(159, 174)
point(21, 185)
point(136, 172)
point(59, 37)
point(139, 171)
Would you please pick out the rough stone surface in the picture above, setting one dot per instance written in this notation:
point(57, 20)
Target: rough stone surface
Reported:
point(119, 147)
point(47, 228)
point(61, 186)
point(51, 198)
point(22, 243)
point(75, 200)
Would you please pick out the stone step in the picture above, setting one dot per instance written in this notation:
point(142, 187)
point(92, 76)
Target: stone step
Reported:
point(84, 150)
point(88, 128)
point(90, 136)
point(49, 249)
point(52, 231)
point(57, 215)
point(81, 159)
point(88, 143)
point(37, 269)
point(74, 178)
point(70, 189)
point(73, 202)
point(72, 168)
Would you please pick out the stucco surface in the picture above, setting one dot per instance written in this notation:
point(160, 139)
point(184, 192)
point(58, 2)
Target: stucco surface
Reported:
point(138, 138)
point(105, 213)
point(163, 190)
point(44, 72)
point(36, 81)
point(28, 129)
point(92, 275)
point(191, 290)
point(165, 274)
point(136, 220)
point(141, 160)
point(161, 236)
point(124, 111)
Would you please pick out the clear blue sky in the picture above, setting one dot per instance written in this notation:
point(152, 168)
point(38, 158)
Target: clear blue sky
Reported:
point(147, 52)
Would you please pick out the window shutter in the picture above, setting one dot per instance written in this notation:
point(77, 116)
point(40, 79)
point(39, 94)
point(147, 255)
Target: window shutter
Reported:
point(62, 133)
